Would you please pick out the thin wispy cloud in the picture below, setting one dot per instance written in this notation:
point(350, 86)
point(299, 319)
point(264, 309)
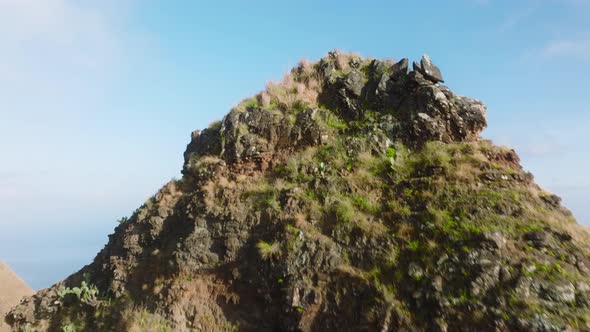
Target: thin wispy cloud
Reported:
point(542, 146)
point(513, 19)
point(38, 38)
point(55, 58)
point(567, 48)
point(543, 149)
point(578, 2)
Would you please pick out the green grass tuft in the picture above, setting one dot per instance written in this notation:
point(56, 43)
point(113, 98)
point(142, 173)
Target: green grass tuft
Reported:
point(268, 251)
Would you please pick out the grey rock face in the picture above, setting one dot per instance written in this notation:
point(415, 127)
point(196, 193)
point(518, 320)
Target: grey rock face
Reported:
point(417, 67)
point(203, 143)
point(430, 70)
point(552, 200)
point(353, 83)
point(497, 238)
point(400, 68)
point(254, 132)
point(326, 68)
point(540, 323)
point(563, 292)
point(411, 107)
point(473, 112)
point(421, 110)
point(537, 238)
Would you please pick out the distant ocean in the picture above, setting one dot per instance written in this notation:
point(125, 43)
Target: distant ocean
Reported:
point(45, 254)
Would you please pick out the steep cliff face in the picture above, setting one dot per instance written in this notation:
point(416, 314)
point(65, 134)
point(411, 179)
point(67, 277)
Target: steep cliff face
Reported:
point(354, 195)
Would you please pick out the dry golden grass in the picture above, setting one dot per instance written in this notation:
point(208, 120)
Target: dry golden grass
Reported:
point(372, 227)
point(341, 60)
point(145, 321)
point(404, 230)
point(299, 220)
point(466, 172)
point(362, 180)
point(306, 73)
point(352, 271)
point(431, 244)
point(290, 94)
point(305, 68)
point(241, 178)
point(264, 99)
point(562, 221)
point(313, 233)
point(302, 86)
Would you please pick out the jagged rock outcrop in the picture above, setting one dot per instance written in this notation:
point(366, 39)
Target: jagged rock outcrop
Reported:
point(410, 105)
point(429, 70)
point(355, 195)
point(415, 106)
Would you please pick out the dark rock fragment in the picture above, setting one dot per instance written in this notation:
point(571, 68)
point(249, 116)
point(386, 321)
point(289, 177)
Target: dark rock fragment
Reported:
point(430, 70)
point(400, 68)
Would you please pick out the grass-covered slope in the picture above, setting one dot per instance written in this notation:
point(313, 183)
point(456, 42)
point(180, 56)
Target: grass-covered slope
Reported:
point(355, 195)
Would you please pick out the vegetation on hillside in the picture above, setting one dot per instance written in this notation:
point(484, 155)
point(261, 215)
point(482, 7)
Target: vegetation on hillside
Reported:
point(352, 195)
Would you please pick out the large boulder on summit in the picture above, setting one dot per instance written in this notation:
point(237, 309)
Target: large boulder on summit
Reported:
point(429, 70)
point(354, 195)
point(399, 68)
point(423, 111)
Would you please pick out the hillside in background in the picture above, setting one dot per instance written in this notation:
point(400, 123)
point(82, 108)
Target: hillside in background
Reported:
point(354, 195)
point(12, 289)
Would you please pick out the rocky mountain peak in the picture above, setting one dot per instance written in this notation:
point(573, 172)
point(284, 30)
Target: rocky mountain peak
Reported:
point(352, 195)
point(405, 105)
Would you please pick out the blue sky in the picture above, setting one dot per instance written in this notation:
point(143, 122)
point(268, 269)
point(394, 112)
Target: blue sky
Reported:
point(98, 98)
